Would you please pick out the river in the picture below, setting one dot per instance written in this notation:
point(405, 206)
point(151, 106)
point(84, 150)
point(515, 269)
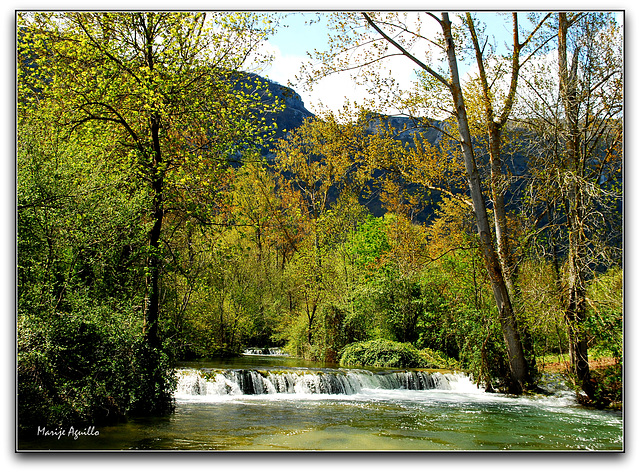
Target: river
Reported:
point(268, 403)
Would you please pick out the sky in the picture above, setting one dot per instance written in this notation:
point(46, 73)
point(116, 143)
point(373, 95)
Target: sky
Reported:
point(307, 31)
point(304, 32)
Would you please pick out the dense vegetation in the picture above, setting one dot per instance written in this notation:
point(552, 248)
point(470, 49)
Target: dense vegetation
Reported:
point(381, 353)
point(151, 227)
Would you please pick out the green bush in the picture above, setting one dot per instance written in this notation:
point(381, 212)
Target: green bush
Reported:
point(382, 353)
point(604, 322)
point(603, 390)
point(608, 391)
point(437, 359)
point(88, 366)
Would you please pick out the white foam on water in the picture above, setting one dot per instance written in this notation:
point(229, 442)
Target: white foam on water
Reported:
point(232, 385)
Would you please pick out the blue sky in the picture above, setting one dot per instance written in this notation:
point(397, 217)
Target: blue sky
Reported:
point(305, 31)
point(301, 32)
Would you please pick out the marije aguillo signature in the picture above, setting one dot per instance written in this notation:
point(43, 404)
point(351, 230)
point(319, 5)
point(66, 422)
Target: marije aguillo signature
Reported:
point(71, 432)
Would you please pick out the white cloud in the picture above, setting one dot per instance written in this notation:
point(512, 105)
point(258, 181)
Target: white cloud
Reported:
point(328, 93)
point(284, 67)
point(333, 91)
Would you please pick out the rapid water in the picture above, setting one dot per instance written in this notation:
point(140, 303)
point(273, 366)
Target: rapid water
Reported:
point(220, 385)
point(271, 403)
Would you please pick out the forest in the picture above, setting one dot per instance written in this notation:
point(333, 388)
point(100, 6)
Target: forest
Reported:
point(163, 216)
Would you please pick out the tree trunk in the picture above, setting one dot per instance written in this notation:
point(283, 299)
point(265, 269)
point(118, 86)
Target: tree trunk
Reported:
point(574, 316)
point(499, 209)
point(152, 283)
point(495, 124)
point(575, 312)
point(311, 314)
point(517, 363)
point(154, 262)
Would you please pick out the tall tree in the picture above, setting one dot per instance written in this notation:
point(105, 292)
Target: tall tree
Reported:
point(515, 352)
point(388, 35)
point(497, 98)
point(577, 117)
point(495, 117)
point(167, 84)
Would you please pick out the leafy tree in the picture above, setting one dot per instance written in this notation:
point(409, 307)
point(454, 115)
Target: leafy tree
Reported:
point(390, 31)
point(162, 92)
point(497, 106)
point(577, 161)
point(165, 82)
point(402, 306)
point(254, 204)
point(324, 157)
point(81, 357)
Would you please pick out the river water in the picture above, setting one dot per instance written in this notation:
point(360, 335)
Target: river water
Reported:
point(269, 403)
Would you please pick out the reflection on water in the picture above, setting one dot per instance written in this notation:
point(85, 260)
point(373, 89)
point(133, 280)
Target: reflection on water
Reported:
point(256, 362)
point(460, 417)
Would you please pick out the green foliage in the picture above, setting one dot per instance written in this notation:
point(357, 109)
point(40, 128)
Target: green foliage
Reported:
point(437, 359)
point(87, 365)
point(82, 357)
point(341, 221)
point(608, 387)
point(437, 327)
point(153, 380)
point(402, 307)
point(382, 353)
point(605, 317)
point(459, 318)
point(541, 306)
point(333, 331)
point(481, 351)
point(368, 245)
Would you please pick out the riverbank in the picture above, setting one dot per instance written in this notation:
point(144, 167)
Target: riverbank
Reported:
point(270, 403)
point(606, 376)
point(562, 366)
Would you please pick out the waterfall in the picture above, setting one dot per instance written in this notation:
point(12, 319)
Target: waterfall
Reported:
point(273, 351)
point(238, 382)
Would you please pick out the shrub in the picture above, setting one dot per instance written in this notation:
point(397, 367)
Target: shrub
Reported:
point(382, 353)
point(87, 366)
point(603, 389)
point(437, 359)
